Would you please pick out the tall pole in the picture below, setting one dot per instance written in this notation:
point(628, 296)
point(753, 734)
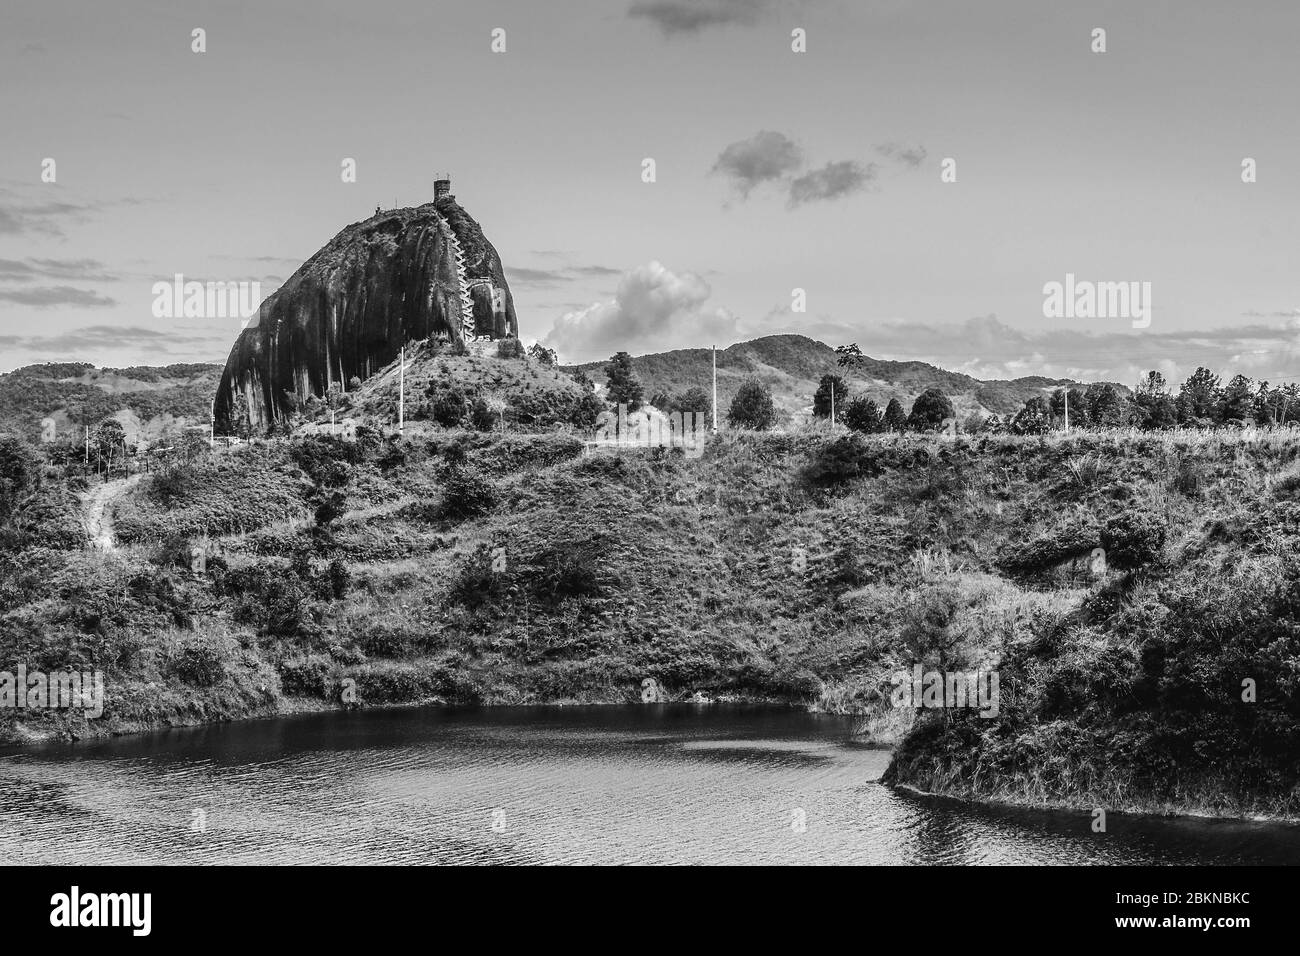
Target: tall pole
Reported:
point(715, 389)
point(832, 402)
point(212, 423)
point(401, 393)
point(1067, 411)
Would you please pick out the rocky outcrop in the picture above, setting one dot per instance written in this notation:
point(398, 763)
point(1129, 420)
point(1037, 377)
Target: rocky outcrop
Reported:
point(396, 278)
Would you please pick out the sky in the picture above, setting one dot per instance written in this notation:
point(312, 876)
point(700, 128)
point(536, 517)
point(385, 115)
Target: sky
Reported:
point(774, 170)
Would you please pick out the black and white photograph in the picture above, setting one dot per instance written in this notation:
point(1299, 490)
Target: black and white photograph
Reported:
point(641, 433)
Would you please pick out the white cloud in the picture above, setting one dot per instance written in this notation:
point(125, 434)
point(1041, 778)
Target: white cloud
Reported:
point(654, 310)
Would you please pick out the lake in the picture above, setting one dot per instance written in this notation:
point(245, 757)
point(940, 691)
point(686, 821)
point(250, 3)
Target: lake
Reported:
point(627, 784)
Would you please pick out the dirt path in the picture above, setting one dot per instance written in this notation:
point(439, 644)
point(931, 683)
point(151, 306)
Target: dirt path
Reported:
point(98, 517)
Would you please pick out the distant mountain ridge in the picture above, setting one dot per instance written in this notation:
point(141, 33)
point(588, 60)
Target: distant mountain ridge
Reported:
point(792, 365)
point(151, 402)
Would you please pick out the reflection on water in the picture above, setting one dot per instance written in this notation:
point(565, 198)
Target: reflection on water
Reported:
point(648, 784)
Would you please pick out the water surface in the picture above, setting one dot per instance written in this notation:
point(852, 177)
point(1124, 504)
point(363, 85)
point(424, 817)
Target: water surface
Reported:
point(637, 784)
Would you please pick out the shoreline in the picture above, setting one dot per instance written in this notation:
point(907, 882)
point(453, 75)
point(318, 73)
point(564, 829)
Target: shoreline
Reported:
point(20, 738)
point(1142, 809)
point(20, 735)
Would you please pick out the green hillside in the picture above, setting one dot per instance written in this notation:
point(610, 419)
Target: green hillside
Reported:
point(490, 568)
point(151, 402)
point(792, 365)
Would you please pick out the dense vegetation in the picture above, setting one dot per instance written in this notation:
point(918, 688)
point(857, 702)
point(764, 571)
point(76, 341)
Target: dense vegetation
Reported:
point(78, 395)
point(474, 567)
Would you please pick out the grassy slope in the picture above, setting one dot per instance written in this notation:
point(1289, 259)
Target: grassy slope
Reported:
point(477, 374)
point(730, 574)
point(149, 401)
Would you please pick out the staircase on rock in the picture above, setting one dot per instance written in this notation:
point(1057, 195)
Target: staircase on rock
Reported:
point(466, 301)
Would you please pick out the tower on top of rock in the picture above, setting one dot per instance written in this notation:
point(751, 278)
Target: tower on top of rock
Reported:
point(441, 185)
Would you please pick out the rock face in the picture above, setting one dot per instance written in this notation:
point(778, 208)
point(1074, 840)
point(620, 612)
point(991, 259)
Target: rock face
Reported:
point(403, 275)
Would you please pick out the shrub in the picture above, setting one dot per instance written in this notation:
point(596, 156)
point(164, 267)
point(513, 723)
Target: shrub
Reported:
point(863, 415)
point(307, 677)
point(1072, 538)
point(477, 585)
point(199, 665)
point(930, 410)
point(569, 569)
point(752, 407)
point(481, 416)
point(465, 492)
point(1133, 538)
point(173, 483)
point(275, 600)
point(339, 579)
point(510, 349)
point(330, 508)
point(586, 411)
point(449, 408)
point(841, 460)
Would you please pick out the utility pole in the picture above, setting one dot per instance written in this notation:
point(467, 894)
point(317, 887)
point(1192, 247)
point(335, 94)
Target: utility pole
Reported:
point(832, 403)
point(401, 393)
point(212, 423)
point(715, 389)
point(1067, 411)
point(87, 444)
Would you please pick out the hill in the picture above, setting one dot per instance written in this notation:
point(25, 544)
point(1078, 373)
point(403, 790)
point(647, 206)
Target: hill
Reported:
point(151, 402)
point(792, 366)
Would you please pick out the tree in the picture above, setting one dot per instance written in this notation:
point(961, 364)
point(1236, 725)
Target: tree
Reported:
point(1078, 407)
point(752, 407)
point(624, 389)
point(1153, 385)
point(586, 411)
point(694, 399)
point(1035, 418)
point(542, 354)
point(848, 356)
point(930, 410)
point(1202, 395)
point(107, 443)
point(20, 472)
point(1073, 399)
point(830, 386)
point(1162, 412)
point(863, 415)
point(354, 383)
point(894, 420)
point(449, 408)
point(1107, 407)
point(1238, 400)
point(1152, 403)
